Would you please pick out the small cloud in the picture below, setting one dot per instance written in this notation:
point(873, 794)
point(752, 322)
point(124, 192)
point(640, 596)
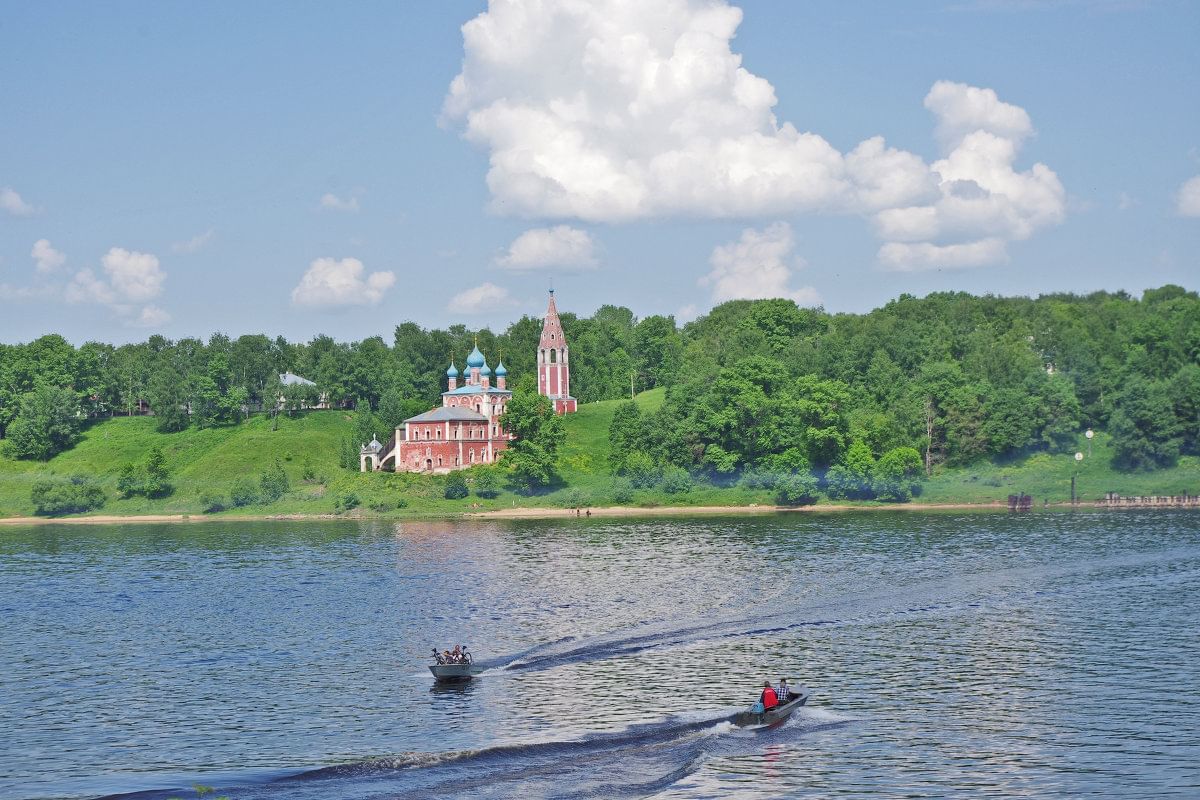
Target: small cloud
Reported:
point(330, 283)
point(757, 266)
point(195, 243)
point(561, 247)
point(918, 256)
point(485, 297)
point(1126, 201)
point(1188, 200)
point(131, 279)
point(11, 202)
point(48, 259)
point(687, 313)
point(334, 203)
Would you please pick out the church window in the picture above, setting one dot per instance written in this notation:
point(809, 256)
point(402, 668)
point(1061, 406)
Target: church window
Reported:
point(552, 352)
point(439, 433)
point(478, 408)
point(439, 461)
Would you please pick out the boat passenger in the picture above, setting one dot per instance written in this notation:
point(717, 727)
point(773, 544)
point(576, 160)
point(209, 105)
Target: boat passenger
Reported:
point(768, 698)
point(456, 654)
point(784, 692)
point(446, 655)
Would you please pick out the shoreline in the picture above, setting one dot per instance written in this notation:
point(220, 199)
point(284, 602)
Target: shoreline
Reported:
point(558, 513)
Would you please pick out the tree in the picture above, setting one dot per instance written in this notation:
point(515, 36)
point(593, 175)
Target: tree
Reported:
point(531, 459)
point(274, 482)
point(897, 475)
point(47, 424)
point(456, 486)
point(243, 493)
point(1145, 432)
point(627, 435)
point(797, 489)
point(158, 479)
point(168, 398)
point(129, 481)
point(486, 484)
point(851, 478)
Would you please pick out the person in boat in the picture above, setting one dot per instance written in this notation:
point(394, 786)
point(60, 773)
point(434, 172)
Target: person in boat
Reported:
point(449, 658)
point(768, 698)
point(456, 654)
point(784, 692)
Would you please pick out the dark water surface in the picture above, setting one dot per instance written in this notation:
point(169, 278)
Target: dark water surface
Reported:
point(1048, 655)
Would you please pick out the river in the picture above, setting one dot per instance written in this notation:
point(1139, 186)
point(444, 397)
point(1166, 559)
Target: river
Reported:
point(949, 654)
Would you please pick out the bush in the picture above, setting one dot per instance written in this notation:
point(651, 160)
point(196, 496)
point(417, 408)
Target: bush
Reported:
point(152, 480)
point(456, 486)
point(759, 479)
point(486, 483)
point(274, 483)
point(308, 472)
point(381, 505)
point(243, 493)
point(346, 501)
point(676, 480)
point(622, 492)
point(72, 495)
point(129, 482)
point(575, 498)
point(212, 502)
point(798, 489)
point(641, 470)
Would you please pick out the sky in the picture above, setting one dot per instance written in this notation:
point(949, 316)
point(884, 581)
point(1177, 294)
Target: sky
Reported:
point(299, 168)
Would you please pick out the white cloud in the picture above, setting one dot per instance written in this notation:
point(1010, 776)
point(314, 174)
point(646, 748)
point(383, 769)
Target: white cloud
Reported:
point(335, 203)
point(912, 257)
point(330, 282)
point(687, 313)
point(560, 247)
point(131, 279)
point(758, 265)
point(1126, 201)
point(609, 111)
point(48, 259)
point(195, 243)
point(1189, 198)
point(11, 202)
point(480, 299)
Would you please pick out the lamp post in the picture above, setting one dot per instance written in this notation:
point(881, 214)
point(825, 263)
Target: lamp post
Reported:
point(1078, 458)
point(1089, 433)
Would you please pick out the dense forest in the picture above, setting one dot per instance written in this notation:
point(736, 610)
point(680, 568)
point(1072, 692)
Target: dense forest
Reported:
point(756, 390)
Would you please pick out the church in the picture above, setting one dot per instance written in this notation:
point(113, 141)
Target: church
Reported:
point(465, 430)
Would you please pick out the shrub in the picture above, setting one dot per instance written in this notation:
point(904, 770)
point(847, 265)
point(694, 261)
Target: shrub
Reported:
point(308, 472)
point(66, 496)
point(575, 498)
point(212, 502)
point(622, 492)
point(129, 482)
point(380, 505)
point(243, 493)
point(641, 470)
point(346, 501)
point(152, 480)
point(456, 486)
point(274, 483)
point(401, 502)
point(486, 483)
point(798, 489)
point(898, 475)
point(759, 479)
point(676, 480)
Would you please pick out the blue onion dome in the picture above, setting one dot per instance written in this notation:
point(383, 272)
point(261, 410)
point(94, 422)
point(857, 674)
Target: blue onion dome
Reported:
point(452, 372)
point(500, 370)
point(476, 358)
point(486, 369)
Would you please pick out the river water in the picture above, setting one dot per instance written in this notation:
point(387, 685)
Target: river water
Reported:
point(949, 654)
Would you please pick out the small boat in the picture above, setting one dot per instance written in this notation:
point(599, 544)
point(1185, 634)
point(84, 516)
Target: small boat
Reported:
point(450, 673)
point(749, 719)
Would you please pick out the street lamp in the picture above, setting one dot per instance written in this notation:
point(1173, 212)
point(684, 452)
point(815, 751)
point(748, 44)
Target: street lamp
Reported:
point(1089, 433)
point(1078, 458)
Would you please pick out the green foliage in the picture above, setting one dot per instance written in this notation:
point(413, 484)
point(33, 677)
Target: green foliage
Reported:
point(676, 480)
point(487, 484)
point(274, 482)
point(531, 460)
point(151, 480)
point(308, 472)
point(243, 493)
point(1146, 433)
point(897, 476)
point(851, 479)
point(47, 423)
point(622, 492)
point(212, 502)
point(641, 470)
point(72, 495)
point(129, 482)
point(456, 486)
point(346, 501)
point(796, 489)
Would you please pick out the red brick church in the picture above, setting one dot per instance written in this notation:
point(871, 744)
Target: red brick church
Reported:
point(465, 430)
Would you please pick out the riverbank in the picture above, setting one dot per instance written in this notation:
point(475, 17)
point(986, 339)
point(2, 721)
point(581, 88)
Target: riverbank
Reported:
point(542, 512)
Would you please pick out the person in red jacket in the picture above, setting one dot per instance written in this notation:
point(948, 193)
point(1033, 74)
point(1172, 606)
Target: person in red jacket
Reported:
point(768, 699)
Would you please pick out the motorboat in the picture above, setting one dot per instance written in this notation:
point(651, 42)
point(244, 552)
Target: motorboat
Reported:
point(453, 673)
point(774, 716)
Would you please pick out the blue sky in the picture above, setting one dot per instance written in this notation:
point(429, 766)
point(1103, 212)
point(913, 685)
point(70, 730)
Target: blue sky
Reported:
point(298, 168)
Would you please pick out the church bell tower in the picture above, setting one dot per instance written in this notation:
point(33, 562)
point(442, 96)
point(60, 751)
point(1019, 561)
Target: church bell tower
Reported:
point(553, 360)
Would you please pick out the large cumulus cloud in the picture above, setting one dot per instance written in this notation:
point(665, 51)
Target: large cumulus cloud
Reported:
point(616, 110)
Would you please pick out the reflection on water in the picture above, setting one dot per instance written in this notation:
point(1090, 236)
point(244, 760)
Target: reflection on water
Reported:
point(1051, 654)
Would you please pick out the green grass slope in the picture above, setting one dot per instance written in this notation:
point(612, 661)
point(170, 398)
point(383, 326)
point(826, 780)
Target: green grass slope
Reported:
point(211, 460)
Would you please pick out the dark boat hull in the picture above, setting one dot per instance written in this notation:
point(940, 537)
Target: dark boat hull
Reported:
point(747, 719)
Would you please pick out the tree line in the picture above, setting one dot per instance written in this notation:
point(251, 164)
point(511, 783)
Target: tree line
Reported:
point(755, 390)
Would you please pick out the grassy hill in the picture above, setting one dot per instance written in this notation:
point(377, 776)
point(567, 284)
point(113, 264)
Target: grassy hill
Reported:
point(211, 460)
